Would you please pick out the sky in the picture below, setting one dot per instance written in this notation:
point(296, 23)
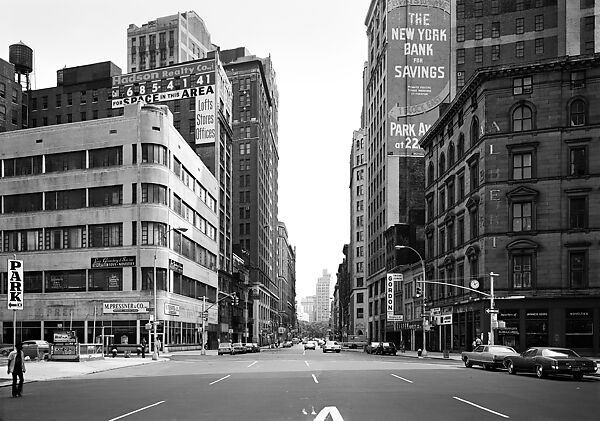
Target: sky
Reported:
point(318, 48)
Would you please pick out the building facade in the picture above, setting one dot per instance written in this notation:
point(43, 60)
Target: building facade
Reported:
point(13, 99)
point(286, 277)
point(167, 40)
point(95, 223)
point(511, 190)
point(356, 253)
point(308, 307)
point(494, 32)
point(255, 160)
point(323, 297)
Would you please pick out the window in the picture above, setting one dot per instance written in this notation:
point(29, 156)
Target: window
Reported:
point(522, 119)
point(475, 223)
point(539, 22)
point(460, 231)
point(442, 200)
point(65, 281)
point(522, 166)
point(45, 102)
point(23, 166)
point(495, 7)
point(451, 194)
point(431, 173)
point(105, 196)
point(58, 100)
point(153, 233)
point(3, 90)
point(478, 54)
point(495, 52)
point(461, 187)
point(442, 240)
point(479, 31)
point(519, 5)
point(478, 8)
point(589, 23)
point(521, 271)
point(577, 269)
point(64, 238)
point(2, 112)
point(152, 153)
point(495, 29)
point(539, 46)
point(578, 79)
point(15, 96)
point(105, 279)
point(106, 157)
point(430, 211)
point(460, 34)
point(26, 240)
point(539, 3)
point(521, 216)
point(474, 131)
point(360, 313)
point(460, 79)
point(519, 26)
point(519, 49)
point(58, 119)
point(522, 85)
point(460, 56)
point(460, 149)
point(577, 212)
point(65, 161)
point(450, 237)
point(578, 161)
point(577, 113)
point(105, 235)
point(460, 9)
point(64, 199)
point(442, 164)
point(83, 97)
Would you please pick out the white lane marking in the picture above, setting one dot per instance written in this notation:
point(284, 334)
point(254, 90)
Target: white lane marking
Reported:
point(402, 378)
point(481, 407)
point(306, 362)
point(137, 410)
point(222, 378)
point(329, 410)
point(252, 364)
point(315, 378)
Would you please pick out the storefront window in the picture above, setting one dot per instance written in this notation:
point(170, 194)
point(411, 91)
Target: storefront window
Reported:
point(579, 329)
point(105, 280)
point(33, 282)
point(509, 334)
point(536, 328)
point(65, 281)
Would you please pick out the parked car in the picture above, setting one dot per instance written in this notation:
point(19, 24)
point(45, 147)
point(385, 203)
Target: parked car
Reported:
point(5, 350)
point(310, 345)
point(249, 347)
point(386, 348)
point(332, 346)
point(487, 356)
point(287, 344)
point(225, 348)
point(550, 360)
point(36, 349)
point(255, 347)
point(295, 341)
point(370, 348)
point(238, 348)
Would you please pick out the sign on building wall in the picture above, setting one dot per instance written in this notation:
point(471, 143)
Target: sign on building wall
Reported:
point(418, 56)
point(198, 81)
point(15, 284)
point(393, 279)
point(112, 262)
point(126, 307)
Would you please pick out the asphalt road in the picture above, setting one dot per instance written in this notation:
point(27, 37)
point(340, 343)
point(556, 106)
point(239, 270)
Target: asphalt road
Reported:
point(292, 384)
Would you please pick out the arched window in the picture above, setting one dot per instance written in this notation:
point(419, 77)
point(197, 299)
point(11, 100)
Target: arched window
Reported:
point(442, 164)
point(451, 154)
point(461, 146)
point(431, 173)
point(577, 113)
point(474, 131)
point(522, 118)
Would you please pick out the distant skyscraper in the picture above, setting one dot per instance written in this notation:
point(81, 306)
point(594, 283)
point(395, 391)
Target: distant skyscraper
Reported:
point(322, 297)
point(167, 40)
point(308, 306)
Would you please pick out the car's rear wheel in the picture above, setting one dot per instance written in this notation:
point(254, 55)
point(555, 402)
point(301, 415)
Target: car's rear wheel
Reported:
point(468, 363)
point(337, 351)
point(539, 372)
point(578, 376)
point(511, 368)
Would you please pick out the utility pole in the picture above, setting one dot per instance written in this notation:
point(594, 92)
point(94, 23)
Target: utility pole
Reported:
point(204, 316)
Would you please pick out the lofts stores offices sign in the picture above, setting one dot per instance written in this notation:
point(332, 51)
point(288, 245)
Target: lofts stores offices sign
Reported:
point(194, 80)
point(418, 35)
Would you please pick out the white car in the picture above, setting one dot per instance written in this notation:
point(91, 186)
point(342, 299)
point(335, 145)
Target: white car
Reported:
point(310, 345)
point(332, 346)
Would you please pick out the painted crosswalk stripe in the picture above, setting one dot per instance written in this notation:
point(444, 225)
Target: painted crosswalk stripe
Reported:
point(315, 378)
point(481, 407)
point(137, 410)
point(402, 378)
point(222, 378)
point(252, 364)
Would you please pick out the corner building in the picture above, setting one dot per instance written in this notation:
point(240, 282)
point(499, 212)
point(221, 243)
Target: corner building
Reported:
point(512, 175)
point(91, 208)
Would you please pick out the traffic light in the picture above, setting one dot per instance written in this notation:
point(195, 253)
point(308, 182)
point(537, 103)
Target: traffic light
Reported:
point(235, 299)
point(419, 291)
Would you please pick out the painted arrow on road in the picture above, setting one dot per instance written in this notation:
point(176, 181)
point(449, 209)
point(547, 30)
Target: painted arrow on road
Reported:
point(329, 410)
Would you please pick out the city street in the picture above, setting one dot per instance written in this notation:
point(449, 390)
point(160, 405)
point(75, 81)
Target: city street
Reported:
point(293, 384)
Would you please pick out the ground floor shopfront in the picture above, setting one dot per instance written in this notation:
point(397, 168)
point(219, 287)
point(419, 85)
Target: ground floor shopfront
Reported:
point(121, 319)
point(565, 322)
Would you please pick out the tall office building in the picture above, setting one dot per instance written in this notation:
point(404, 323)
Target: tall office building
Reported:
point(405, 80)
point(323, 296)
point(308, 307)
point(167, 40)
point(500, 32)
point(286, 281)
point(356, 253)
point(255, 160)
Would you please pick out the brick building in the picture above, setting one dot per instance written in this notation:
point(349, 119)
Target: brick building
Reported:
point(511, 188)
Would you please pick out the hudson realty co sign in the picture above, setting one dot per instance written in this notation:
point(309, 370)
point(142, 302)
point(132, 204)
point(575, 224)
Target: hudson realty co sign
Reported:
point(15, 284)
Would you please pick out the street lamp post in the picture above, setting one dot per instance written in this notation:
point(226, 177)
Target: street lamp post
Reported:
point(424, 315)
point(155, 321)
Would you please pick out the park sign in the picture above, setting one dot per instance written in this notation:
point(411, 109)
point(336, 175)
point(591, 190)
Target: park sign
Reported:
point(15, 284)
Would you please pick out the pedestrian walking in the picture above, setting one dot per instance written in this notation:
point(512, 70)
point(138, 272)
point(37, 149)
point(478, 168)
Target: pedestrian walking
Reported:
point(158, 345)
point(143, 347)
point(16, 366)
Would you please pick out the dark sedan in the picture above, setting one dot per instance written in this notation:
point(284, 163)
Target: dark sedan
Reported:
point(550, 360)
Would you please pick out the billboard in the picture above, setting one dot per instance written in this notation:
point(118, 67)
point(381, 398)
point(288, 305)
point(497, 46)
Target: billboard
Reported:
point(418, 59)
point(197, 80)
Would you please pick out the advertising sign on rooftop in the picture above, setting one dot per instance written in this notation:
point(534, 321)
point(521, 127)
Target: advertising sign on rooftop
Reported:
point(418, 36)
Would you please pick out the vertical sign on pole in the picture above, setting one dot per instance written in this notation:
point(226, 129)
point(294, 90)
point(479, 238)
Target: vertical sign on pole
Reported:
point(389, 294)
point(15, 284)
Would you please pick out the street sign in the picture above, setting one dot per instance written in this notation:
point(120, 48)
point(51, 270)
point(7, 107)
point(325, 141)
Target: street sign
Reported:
point(15, 284)
point(492, 310)
point(395, 318)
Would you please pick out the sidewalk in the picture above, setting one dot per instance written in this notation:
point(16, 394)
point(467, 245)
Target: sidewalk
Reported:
point(51, 370)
